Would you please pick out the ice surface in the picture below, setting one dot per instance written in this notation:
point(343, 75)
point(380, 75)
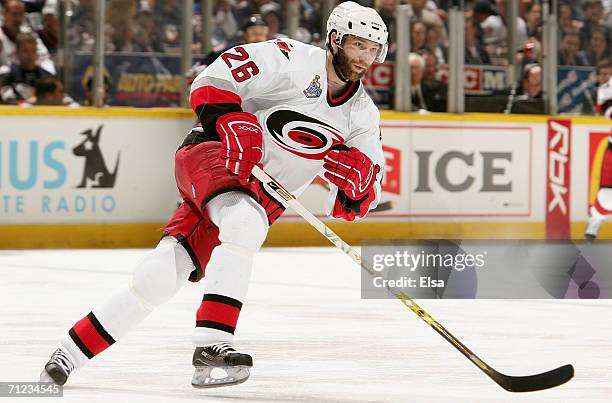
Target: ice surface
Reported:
point(311, 336)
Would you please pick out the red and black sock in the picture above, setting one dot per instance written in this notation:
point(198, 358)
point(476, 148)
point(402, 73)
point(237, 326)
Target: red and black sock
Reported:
point(90, 336)
point(218, 312)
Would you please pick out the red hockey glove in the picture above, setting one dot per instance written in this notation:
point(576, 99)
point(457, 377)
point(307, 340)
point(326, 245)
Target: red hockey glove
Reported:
point(355, 174)
point(241, 137)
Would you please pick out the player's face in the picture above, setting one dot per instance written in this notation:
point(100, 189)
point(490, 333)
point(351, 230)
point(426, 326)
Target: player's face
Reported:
point(356, 56)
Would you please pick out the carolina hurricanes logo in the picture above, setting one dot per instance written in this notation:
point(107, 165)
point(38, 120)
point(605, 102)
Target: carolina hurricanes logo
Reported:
point(302, 135)
point(284, 47)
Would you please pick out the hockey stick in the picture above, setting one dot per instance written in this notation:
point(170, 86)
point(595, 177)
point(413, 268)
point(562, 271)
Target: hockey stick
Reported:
point(529, 383)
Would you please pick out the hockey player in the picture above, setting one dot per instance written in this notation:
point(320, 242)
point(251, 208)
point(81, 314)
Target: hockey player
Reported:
point(603, 202)
point(299, 111)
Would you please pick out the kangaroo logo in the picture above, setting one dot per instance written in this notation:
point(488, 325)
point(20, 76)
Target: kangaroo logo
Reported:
point(95, 168)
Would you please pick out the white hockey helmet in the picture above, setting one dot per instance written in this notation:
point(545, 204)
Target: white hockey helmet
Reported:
point(350, 18)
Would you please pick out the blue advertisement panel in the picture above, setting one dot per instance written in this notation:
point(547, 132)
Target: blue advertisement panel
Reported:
point(140, 80)
point(576, 90)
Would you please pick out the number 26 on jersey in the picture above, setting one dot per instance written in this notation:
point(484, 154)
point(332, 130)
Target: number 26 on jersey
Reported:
point(243, 71)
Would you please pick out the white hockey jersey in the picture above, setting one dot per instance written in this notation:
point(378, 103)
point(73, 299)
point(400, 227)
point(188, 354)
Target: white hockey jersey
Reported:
point(604, 98)
point(284, 83)
point(604, 101)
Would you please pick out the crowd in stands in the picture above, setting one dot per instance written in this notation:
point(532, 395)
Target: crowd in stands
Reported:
point(584, 31)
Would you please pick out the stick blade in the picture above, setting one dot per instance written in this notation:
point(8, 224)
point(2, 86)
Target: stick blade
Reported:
point(531, 383)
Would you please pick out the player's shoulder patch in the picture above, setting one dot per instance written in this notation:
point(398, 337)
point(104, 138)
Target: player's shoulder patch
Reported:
point(285, 47)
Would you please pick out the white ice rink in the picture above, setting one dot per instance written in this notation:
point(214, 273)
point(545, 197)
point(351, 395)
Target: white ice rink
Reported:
point(311, 336)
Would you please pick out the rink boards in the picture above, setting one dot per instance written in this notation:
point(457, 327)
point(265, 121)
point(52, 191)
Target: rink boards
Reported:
point(104, 177)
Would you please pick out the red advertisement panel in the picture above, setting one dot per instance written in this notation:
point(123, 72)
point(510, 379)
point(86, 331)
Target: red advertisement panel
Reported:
point(558, 149)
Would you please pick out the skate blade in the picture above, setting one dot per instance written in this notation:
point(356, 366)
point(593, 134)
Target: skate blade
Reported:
point(214, 377)
point(45, 377)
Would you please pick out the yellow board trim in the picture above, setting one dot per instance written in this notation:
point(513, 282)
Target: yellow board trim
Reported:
point(489, 117)
point(185, 113)
point(146, 235)
point(110, 112)
point(49, 236)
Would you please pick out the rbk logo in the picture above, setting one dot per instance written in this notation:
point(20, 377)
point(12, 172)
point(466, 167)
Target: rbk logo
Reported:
point(95, 168)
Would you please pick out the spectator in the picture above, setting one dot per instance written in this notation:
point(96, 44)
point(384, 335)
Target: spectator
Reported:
point(418, 35)
point(521, 26)
point(49, 30)
point(271, 13)
point(608, 14)
point(530, 52)
point(168, 20)
point(255, 30)
point(593, 15)
point(434, 90)
point(599, 48)
point(534, 20)
point(17, 80)
point(311, 16)
point(531, 83)
point(494, 31)
point(523, 6)
point(82, 26)
point(146, 36)
point(245, 8)
point(225, 26)
point(32, 6)
point(474, 51)
point(526, 97)
point(50, 91)
point(431, 65)
point(421, 13)
point(386, 10)
point(12, 24)
point(433, 42)
point(569, 50)
point(482, 10)
point(567, 21)
point(417, 70)
point(119, 17)
point(440, 7)
point(87, 83)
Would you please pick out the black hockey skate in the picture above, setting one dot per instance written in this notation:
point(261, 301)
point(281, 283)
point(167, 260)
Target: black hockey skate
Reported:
point(58, 368)
point(219, 365)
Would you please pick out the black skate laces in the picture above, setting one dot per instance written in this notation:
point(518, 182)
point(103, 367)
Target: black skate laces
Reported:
point(63, 360)
point(222, 348)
